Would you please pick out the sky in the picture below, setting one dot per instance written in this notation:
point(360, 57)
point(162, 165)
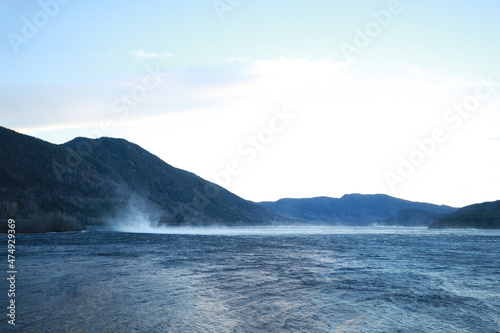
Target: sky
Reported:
point(270, 99)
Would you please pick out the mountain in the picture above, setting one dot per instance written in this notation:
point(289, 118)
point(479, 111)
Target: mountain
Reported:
point(87, 180)
point(479, 216)
point(357, 209)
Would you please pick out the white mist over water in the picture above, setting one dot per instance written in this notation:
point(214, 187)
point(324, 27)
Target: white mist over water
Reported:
point(142, 225)
point(137, 220)
point(142, 218)
point(138, 217)
point(145, 227)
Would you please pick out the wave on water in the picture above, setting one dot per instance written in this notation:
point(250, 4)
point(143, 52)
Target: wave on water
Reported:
point(260, 279)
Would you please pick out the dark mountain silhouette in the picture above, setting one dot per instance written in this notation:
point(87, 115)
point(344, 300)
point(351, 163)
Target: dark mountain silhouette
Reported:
point(479, 216)
point(62, 187)
point(358, 209)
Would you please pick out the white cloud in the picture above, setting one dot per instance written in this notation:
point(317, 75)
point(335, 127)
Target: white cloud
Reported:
point(143, 54)
point(239, 58)
point(416, 73)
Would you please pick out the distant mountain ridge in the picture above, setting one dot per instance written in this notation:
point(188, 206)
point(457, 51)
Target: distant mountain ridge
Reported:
point(484, 215)
point(358, 209)
point(94, 179)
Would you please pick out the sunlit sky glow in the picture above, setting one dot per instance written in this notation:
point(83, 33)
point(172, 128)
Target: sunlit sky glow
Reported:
point(270, 91)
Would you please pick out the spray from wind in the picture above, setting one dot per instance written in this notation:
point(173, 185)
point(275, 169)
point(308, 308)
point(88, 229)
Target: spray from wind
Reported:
point(144, 226)
point(139, 217)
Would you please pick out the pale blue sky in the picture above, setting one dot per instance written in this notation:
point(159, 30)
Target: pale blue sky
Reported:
point(221, 78)
point(457, 36)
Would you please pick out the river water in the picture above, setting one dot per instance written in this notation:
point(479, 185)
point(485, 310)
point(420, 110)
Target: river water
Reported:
point(276, 279)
